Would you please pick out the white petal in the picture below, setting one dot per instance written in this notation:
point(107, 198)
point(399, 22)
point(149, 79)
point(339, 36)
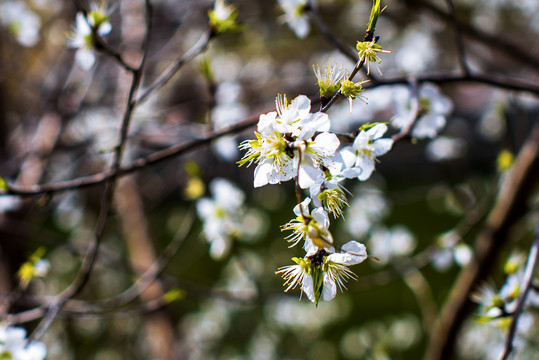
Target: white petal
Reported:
point(104, 28)
point(320, 215)
point(313, 123)
point(302, 105)
point(301, 27)
point(326, 143)
point(367, 165)
point(308, 287)
point(85, 58)
point(261, 173)
point(266, 123)
point(304, 206)
point(219, 247)
point(382, 146)
point(330, 288)
point(309, 176)
point(351, 173)
point(348, 156)
point(377, 131)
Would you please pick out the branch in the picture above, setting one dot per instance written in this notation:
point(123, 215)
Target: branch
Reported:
point(458, 38)
point(414, 111)
point(180, 149)
point(509, 206)
point(330, 37)
point(200, 46)
point(106, 201)
point(533, 257)
point(506, 47)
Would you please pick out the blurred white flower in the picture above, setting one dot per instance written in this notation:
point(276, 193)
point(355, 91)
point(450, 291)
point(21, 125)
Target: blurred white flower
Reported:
point(367, 208)
point(296, 16)
point(386, 244)
point(13, 345)
point(444, 148)
point(433, 110)
point(450, 250)
point(417, 52)
point(228, 111)
point(82, 37)
point(221, 216)
point(23, 23)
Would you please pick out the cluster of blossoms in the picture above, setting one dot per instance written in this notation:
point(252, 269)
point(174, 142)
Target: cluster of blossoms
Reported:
point(13, 345)
point(222, 216)
point(83, 37)
point(293, 143)
point(499, 304)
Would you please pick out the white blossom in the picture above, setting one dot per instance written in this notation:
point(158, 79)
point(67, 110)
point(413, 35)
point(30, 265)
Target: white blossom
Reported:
point(221, 216)
point(386, 244)
point(13, 345)
point(296, 17)
point(433, 111)
point(82, 37)
point(290, 141)
point(320, 274)
point(367, 146)
point(23, 23)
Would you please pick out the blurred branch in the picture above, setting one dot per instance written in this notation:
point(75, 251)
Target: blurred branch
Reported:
point(507, 47)
point(414, 112)
point(526, 287)
point(458, 38)
point(83, 274)
point(347, 51)
point(199, 47)
point(509, 206)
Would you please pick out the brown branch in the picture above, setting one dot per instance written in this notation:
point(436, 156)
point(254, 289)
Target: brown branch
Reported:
point(83, 274)
point(180, 149)
point(507, 47)
point(458, 38)
point(509, 206)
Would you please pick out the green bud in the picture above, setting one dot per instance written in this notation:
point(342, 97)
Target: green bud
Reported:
point(174, 295)
point(4, 187)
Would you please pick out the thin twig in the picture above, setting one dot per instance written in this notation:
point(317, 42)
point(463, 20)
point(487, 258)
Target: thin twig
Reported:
point(330, 37)
point(201, 44)
point(414, 112)
point(526, 287)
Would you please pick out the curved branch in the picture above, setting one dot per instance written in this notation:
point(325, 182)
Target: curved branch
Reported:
point(509, 206)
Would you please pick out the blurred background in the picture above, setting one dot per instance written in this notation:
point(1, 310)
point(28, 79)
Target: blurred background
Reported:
point(419, 213)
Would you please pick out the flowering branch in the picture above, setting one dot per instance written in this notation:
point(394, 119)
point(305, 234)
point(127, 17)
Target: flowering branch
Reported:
point(526, 287)
point(509, 206)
